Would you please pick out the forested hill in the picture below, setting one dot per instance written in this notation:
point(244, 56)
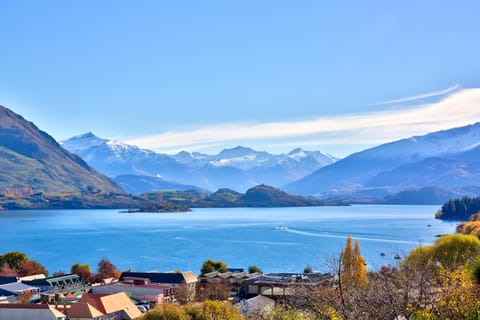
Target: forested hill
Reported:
point(259, 196)
point(459, 209)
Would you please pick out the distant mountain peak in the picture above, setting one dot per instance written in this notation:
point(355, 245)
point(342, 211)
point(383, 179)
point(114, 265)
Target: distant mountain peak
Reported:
point(295, 151)
point(237, 150)
point(85, 136)
point(88, 135)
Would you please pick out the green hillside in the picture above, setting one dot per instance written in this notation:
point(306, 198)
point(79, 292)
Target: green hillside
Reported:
point(31, 161)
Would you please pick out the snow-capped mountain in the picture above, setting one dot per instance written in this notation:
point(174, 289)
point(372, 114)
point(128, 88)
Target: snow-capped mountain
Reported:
point(247, 159)
point(397, 165)
point(115, 158)
point(237, 168)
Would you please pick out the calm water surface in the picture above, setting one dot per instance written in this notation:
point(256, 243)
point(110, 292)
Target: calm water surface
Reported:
point(275, 239)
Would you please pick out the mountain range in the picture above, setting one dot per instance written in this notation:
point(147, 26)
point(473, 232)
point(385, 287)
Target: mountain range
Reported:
point(426, 169)
point(237, 168)
point(447, 159)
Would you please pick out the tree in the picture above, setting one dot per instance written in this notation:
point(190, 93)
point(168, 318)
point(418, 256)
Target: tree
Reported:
point(213, 310)
point(83, 271)
point(254, 269)
point(207, 310)
point(353, 270)
point(308, 269)
point(166, 312)
point(454, 250)
point(106, 269)
point(30, 268)
point(13, 259)
point(212, 265)
point(212, 291)
point(359, 265)
point(451, 251)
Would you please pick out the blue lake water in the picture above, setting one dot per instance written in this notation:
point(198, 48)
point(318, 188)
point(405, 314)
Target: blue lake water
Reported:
point(275, 239)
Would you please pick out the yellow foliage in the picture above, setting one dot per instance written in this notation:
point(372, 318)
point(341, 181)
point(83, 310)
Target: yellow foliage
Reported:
point(354, 270)
point(457, 296)
point(470, 227)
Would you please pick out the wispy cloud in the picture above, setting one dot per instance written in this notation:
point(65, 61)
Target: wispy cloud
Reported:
point(457, 109)
point(420, 96)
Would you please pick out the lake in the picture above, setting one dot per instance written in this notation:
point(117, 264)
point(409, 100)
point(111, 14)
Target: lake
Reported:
point(274, 239)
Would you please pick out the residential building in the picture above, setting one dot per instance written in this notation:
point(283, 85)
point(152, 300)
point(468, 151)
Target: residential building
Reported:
point(184, 283)
point(141, 289)
point(94, 306)
point(277, 285)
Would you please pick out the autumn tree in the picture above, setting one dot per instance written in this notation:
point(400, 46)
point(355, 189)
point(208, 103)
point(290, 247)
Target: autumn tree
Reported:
point(455, 250)
point(213, 310)
point(166, 312)
point(13, 259)
point(212, 265)
point(83, 271)
point(353, 270)
point(106, 269)
point(207, 310)
point(31, 267)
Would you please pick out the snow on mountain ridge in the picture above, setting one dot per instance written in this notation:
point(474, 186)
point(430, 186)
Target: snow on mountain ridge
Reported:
point(433, 144)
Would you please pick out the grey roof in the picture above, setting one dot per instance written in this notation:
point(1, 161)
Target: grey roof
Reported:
point(16, 287)
point(228, 274)
point(285, 278)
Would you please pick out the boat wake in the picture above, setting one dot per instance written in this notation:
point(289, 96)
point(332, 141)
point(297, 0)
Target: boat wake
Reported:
point(328, 235)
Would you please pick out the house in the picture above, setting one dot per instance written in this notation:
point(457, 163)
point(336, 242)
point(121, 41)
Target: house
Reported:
point(94, 306)
point(18, 311)
point(184, 283)
point(229, 277)
point(141, 289)
point(277, 285)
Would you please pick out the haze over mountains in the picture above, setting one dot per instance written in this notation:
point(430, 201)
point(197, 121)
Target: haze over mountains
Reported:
point(237, 168)
point(443, 159)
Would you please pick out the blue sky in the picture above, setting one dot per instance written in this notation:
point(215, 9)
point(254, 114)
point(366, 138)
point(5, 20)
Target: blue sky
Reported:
point(336, 76)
